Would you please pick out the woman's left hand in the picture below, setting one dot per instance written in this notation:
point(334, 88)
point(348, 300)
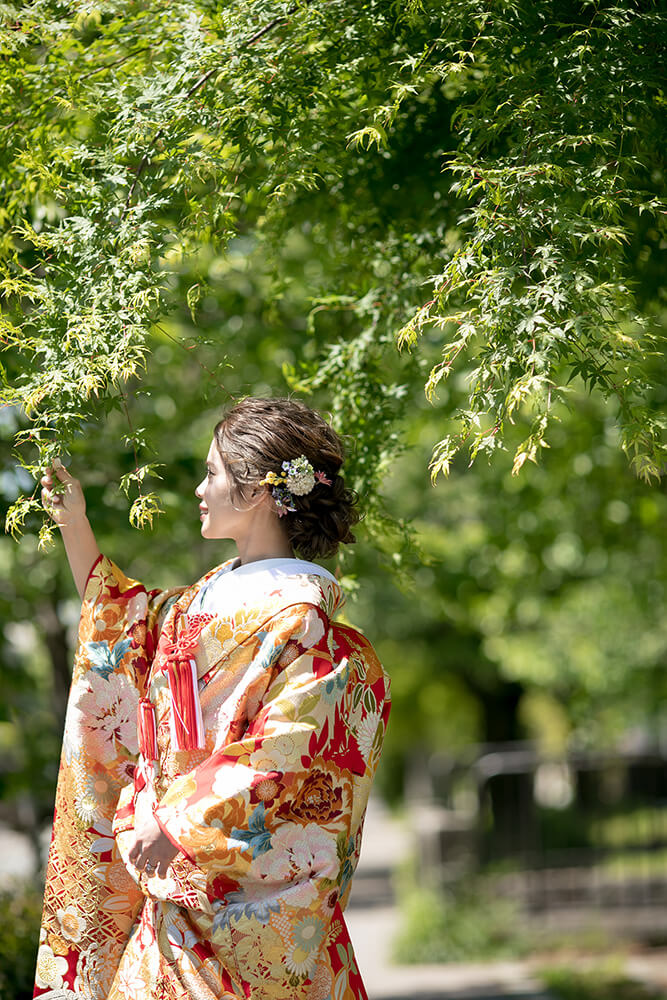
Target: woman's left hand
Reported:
point(153, 851)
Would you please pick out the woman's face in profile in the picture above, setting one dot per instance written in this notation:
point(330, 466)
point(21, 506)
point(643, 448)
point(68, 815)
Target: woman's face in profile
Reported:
point(220, 516)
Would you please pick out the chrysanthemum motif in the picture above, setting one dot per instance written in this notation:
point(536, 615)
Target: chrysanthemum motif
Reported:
point(87, 808)
point(267, 789)
point(309, 933)
point(300, 962)
point(366, 730)
point(100, 787)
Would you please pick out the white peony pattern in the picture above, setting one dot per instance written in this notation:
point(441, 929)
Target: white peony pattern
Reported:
point(103, 715)
point(311, 631)
point(299, 850)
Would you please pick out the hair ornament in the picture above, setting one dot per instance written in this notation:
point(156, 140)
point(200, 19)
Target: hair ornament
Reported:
point(297, 478)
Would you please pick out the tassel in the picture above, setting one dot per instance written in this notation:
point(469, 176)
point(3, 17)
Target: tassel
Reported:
point(145, 775)
point(147, 730)
point(187, 724)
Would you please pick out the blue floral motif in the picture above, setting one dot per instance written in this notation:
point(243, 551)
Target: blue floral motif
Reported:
point(256, 838)
point(235, 908)
point(105, 661)
point(269, 650)
point(336, 685)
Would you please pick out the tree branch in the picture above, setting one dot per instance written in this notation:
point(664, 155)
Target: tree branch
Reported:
point(117, 62)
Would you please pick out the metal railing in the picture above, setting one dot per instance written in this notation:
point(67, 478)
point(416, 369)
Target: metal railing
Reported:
point(585, 829)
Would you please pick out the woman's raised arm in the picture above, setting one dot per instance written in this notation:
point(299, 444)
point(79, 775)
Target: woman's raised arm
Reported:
point(68, 510)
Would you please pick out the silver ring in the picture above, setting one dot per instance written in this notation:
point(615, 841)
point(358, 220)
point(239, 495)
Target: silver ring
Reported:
point(148, 867)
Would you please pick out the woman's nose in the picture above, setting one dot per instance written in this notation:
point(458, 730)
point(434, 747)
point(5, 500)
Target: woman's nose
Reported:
point(199, 492)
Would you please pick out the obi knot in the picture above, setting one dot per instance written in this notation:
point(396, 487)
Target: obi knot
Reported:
point(181, 644)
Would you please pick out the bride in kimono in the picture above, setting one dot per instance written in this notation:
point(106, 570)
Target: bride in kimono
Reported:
point(220, 743)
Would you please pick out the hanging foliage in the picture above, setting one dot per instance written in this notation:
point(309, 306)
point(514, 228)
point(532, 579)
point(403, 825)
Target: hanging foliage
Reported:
point(506, 155)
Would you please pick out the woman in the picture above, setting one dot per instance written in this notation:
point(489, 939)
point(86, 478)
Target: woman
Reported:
point(220, 743)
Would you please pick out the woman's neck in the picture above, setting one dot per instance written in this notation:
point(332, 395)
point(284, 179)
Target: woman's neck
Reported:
point(268, 541)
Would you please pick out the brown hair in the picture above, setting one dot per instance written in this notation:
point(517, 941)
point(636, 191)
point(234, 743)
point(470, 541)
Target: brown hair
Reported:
point(257, 435)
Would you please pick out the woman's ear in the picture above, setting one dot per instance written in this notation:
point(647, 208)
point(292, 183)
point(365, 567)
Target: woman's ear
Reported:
point(260, 496)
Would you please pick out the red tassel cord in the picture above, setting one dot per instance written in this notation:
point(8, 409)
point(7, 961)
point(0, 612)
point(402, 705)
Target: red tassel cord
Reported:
point(146, 769)
point(147, 730)
point(187, 725)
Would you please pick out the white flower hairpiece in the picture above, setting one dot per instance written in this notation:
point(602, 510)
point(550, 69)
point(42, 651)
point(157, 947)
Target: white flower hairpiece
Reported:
point(296, 479)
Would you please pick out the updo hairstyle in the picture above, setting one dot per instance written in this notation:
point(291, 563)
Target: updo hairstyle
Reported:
point(257, 435)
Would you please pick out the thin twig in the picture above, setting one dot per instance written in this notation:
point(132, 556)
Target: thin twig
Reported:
point(132, 437)
point(203, 367)
point(142, 165)
point(117, 62)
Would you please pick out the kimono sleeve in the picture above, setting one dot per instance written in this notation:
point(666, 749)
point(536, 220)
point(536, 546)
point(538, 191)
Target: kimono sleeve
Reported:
point(117, 632)
point(120, 621)
point(284, 803)
point(118, 629)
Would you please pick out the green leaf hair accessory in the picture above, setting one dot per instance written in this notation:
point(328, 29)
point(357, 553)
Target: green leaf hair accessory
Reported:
point(296, 479)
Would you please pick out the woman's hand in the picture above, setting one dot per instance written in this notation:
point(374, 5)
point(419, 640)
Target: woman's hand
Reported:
point(65, 507)
point(68, 510)
point(153, 851)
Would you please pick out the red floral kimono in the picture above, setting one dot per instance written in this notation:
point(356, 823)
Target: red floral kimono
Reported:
point(254, 737)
